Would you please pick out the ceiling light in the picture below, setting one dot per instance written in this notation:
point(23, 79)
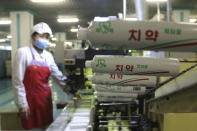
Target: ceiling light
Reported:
point(156, 0)
point(74, 30)
point(131, 19)
point(192, 20)
point(9, 36)
point(101, 19)
point(46, 1)
point(5, 22)
point(54, 39)
point(63, 20)
point(2, 40)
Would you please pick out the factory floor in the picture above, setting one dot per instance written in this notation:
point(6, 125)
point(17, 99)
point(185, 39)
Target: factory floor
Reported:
point(7, 96)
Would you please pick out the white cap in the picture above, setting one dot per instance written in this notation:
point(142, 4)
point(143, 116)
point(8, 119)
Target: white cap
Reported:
point(88, 64)
point(90, 77)
point(82, 34)
point(42, 28)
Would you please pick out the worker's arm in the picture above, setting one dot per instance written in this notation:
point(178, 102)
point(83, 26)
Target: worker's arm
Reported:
point(19, 67)
point(57, 74)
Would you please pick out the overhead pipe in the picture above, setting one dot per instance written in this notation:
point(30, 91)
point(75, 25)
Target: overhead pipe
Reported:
point(140, 8)
point(158, 12)
point(168, 11)
point(124, 8)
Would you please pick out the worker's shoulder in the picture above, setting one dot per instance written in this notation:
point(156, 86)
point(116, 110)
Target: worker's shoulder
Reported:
point(23, 49)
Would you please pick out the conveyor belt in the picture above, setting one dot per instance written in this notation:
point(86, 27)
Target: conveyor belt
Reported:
point(75, 116)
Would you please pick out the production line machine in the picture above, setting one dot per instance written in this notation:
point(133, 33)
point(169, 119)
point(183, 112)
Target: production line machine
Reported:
point(74, 64)
point(120, 104)
point(127, 95)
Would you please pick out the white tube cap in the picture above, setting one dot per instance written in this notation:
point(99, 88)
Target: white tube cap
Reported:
point(88, 64)
point(90, 77)
point(82, 34)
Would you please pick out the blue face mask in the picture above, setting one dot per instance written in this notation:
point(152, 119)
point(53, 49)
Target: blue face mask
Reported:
point(41, 43)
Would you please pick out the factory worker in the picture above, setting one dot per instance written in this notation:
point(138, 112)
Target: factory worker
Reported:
point(31, 70)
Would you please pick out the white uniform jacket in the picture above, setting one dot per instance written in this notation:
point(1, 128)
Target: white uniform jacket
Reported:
point(22, 60)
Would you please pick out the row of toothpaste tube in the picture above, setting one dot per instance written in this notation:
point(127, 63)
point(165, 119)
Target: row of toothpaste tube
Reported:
point(123, 78)
point(121, 87)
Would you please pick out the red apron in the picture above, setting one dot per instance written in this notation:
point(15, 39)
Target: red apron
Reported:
point(38, 94)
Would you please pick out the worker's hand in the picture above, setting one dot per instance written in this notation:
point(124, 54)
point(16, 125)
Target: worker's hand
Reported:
point(24, 112)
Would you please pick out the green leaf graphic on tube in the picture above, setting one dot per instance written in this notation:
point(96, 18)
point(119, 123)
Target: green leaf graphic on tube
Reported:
point(104, 27)
point(101, 63)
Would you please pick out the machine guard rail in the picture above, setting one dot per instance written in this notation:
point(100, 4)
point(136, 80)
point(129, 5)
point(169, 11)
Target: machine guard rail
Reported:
point(151, 91)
